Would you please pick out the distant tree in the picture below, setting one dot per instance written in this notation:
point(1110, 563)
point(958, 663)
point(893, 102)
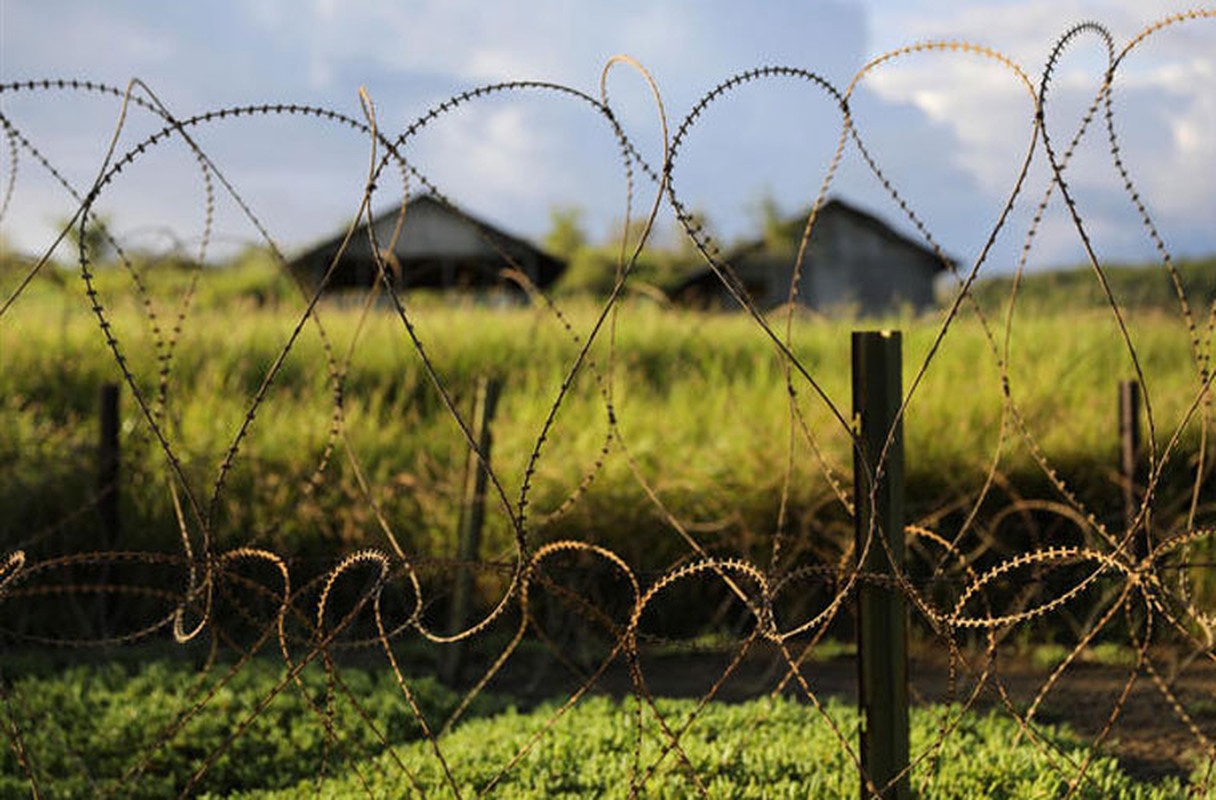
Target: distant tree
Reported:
point(93, 235)
point(566, 236)
point(779, 230)
point(592, 270)
point(667, 256)
point(698, 224)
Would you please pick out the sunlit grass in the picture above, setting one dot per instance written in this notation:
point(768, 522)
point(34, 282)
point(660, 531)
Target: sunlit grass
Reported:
point(148, 729)
point(700, 402)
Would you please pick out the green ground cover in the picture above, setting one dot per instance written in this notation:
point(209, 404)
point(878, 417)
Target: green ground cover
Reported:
point(119, 730)
point(146, 731)
point(761, 749)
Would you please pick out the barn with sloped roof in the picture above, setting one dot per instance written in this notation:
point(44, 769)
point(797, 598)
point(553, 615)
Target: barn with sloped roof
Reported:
point(429, 244)
point(854, 263)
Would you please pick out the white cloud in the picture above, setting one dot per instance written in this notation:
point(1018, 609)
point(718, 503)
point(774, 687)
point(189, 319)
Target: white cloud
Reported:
point(1025, 30)
point(472, 41)
point(494, 147)
point(85, 40)
point(984, 105)
point(1165, 114)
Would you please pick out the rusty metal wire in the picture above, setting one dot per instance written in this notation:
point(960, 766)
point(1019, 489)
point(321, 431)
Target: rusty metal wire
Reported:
point(969, 599)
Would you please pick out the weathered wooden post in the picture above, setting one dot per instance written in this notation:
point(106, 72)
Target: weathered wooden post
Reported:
point(108, 461)
point(882, 616)
point(1129, 460)
point(472, 517)
point(108, 464)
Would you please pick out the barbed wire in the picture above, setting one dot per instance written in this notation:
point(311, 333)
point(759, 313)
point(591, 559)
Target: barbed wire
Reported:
point(967, 593)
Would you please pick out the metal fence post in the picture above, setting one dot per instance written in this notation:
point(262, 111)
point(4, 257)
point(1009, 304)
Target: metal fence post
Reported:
point(882, 617)
point(472, 518)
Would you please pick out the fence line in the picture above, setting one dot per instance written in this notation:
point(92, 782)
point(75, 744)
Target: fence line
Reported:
point(1138, 578)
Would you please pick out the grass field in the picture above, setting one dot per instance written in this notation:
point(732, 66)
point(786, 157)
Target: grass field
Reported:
point(672, 412)
point(700, 402)
point(703, 445)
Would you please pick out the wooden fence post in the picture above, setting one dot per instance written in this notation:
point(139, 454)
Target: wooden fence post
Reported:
point(108, 464)
point(108, 461)
point(882, 617)
point(472, 517)
point(1129, 459)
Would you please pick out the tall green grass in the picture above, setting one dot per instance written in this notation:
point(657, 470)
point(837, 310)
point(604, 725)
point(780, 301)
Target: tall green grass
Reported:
point(701, 405)
point(1139, 287)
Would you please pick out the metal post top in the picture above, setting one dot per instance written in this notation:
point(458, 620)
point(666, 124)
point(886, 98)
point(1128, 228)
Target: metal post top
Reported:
point(887, 333)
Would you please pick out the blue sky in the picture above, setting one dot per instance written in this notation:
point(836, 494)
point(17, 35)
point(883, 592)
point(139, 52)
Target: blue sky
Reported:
point(950, 130)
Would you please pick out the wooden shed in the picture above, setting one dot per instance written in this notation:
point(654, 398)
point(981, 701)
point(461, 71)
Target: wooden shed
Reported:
point(855, 263)
point(438, 247)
